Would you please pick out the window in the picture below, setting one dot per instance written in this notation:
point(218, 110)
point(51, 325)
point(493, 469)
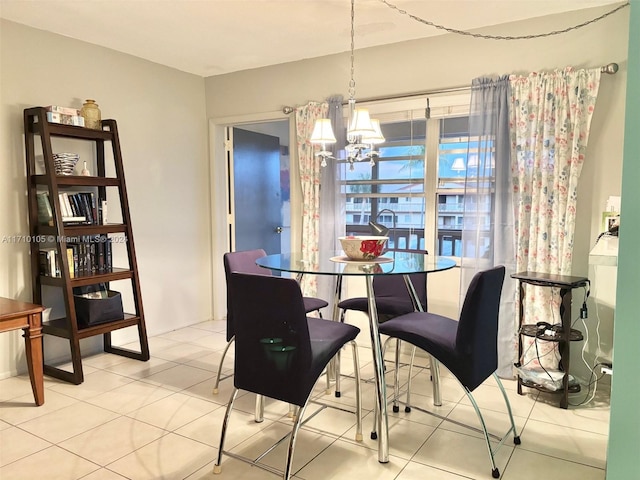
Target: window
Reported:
point(392, 190)
point(417, 185)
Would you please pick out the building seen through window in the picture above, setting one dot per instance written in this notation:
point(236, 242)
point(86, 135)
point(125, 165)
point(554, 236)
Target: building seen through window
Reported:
point(395, 186)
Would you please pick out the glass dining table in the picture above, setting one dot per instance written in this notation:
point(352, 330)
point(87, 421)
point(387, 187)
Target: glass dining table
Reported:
point(391, 263)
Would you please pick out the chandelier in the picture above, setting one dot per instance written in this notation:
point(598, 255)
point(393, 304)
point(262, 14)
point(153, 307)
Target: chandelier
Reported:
point(363, 133)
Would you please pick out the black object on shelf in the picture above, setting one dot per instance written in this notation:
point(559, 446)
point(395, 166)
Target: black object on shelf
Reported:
point(93, 311)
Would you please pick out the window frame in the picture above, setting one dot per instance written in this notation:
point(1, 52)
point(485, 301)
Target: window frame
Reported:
point(441, 106)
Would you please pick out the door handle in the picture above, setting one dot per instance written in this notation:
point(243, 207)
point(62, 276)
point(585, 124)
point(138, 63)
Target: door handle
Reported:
point(278, 230)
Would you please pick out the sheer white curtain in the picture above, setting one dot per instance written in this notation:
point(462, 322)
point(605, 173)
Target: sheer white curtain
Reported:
point(550, 118)
point(309, 167)
point(488, 229)
point(332, 198)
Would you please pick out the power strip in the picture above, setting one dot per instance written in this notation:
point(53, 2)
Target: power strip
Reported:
point(608, 370)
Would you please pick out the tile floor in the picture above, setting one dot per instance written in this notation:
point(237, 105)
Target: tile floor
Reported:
point(159, 420)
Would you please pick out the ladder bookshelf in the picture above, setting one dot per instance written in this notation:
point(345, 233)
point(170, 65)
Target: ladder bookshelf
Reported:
point(56, 233)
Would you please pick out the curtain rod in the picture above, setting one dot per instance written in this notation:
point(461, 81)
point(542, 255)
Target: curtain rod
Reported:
point(610, 68)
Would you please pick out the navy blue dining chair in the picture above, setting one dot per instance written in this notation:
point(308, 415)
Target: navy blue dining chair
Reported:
point(280, 352)
point(467, 347)
point(245, 261)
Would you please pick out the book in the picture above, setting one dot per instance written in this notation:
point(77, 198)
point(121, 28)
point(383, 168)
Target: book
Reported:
point(64, 110)
point(100, 247)
point(75, 120)
point(65, 208)
point(43, 262)
point(72, 271)
point(103, 212)
point(108, 258)
point(88, 203)
point(48, 262)
point(75, 205)
point(45, 214)
point(70, 214)
point(74, 259)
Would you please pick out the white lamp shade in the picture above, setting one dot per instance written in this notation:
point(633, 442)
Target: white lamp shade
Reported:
point(473, 161)
point(361, 123)
point(458, 165)
point(375, 138)
point(322, 132)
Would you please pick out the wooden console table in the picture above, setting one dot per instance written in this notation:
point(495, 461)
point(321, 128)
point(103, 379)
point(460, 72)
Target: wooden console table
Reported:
point(28, 317)
point(564, 335)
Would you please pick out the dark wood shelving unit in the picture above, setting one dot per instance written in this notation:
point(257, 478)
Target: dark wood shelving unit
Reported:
point(36, 125)
point(562, 334)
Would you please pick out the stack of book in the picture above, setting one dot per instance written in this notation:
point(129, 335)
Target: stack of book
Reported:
point(76, 208)
point(88, 255)
point(64, 115)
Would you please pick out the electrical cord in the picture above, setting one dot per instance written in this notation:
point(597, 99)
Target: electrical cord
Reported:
point(537, 357)
point(588, 399)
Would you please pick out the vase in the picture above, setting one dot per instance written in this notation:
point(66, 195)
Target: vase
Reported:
point(91, 114)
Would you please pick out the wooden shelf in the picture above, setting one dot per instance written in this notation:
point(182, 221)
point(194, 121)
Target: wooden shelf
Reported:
point(81, 280)
point(80, 230)
point(532, 331)
point(77, 180)
point(69, 131)
point(58, 327)
point(571, 389)
point(36, 126)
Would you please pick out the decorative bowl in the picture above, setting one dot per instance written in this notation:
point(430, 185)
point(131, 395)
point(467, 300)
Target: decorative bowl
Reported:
point(64, 163)
point(363, 247)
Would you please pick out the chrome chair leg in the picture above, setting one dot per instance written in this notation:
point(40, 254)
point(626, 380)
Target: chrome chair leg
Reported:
point(259, 410)
point(217, 467)
point(376, 408)
point(495, 473)
point(434, 366)
point(516, 437)
point(292, 440)
point(336, 364)
point(396, 377)
point(356, 369)
point(224, 354)
point(407, 407)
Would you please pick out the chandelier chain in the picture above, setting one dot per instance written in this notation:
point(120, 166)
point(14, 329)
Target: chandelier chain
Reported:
point(352, 82)
point(493, 37)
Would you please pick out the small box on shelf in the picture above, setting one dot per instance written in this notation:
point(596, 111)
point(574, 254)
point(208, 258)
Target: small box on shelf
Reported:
point(93, 311)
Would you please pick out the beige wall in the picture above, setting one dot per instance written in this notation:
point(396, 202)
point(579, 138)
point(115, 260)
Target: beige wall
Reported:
point(162, 125)
point(451, 61)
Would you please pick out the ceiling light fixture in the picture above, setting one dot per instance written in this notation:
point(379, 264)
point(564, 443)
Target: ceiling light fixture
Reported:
point(322, 135)
point(363, 133)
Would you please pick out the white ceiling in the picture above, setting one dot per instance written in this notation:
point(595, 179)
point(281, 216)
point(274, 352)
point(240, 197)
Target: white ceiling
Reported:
point(212, 37)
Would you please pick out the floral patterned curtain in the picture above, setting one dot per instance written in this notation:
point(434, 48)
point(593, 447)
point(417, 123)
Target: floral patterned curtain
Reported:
point(550, 116)
point(310, 180)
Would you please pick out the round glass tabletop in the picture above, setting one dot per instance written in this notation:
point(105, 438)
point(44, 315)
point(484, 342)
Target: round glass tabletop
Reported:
point(335, 263)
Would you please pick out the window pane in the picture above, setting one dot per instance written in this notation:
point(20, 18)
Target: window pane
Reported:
point(460, 156)
point(392, 191)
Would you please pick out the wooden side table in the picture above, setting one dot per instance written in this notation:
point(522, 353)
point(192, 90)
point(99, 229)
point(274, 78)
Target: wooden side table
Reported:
point(28, 317)
point(565, 334)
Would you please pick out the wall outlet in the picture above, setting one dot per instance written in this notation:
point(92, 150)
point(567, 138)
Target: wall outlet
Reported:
point(607, 369)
